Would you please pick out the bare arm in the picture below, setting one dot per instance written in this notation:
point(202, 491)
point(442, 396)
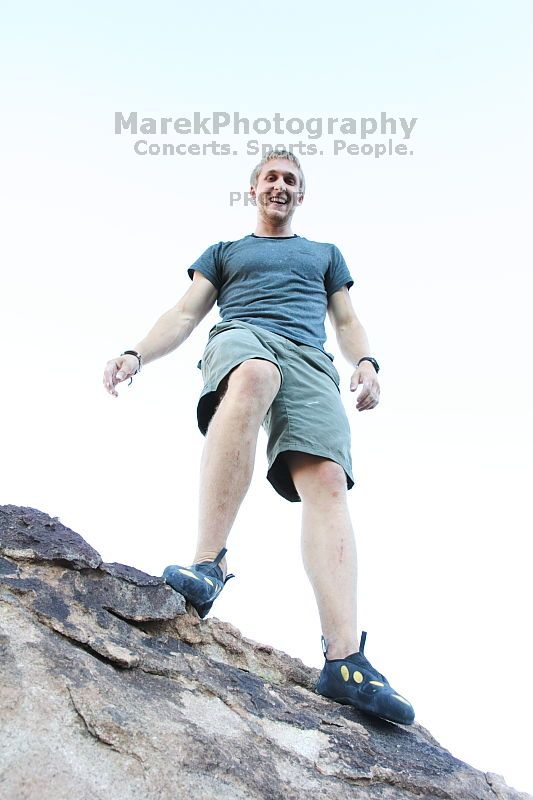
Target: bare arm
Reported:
point(170, 330)
point(353, 344)
point(350, 334)
point(177, 324)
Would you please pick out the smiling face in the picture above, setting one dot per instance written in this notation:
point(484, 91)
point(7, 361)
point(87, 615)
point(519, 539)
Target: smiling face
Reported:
point(278, 192)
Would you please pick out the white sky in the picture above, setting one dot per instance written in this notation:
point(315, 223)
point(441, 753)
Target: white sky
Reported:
point(96, 245)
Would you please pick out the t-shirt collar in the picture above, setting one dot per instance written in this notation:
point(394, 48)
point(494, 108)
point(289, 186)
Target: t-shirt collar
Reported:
point(294, 236)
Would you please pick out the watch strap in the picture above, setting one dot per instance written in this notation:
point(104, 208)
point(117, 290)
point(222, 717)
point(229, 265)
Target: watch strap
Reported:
point(372, 361)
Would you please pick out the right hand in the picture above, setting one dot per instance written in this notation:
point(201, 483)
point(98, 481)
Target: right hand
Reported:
point(117, 370)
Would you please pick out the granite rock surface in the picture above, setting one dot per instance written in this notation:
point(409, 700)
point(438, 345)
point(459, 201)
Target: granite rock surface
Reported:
point(112, 686)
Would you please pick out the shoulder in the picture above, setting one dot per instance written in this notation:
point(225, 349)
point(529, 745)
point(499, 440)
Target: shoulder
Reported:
point(326, 248)
point(232, 244)
point(218, 250)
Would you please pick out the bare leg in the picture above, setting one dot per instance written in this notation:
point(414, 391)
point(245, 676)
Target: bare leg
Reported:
point(328, 548)
point(229, 453)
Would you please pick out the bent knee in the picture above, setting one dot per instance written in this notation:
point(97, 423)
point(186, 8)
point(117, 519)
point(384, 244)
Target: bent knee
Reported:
point(256, 376)
point(312, 474)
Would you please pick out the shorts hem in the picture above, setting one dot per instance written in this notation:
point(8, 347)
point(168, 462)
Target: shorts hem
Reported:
point(284, 485)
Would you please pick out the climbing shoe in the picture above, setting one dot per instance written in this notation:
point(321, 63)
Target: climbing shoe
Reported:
point(200, 584)
point(354, 681)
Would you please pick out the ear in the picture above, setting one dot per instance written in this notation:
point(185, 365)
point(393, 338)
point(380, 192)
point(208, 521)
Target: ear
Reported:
point(253, 196)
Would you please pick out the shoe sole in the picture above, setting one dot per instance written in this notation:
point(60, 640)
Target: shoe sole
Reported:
point(346, 701)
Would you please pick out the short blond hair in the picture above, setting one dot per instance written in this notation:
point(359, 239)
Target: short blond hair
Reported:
point(272, 156)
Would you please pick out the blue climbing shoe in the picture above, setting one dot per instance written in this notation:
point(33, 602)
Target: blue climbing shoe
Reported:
point(354, 681)
point(200, 584)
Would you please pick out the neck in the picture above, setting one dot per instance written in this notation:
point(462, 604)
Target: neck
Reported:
point(263, 228)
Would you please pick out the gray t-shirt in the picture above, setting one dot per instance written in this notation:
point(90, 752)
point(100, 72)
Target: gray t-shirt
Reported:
point(278, 283)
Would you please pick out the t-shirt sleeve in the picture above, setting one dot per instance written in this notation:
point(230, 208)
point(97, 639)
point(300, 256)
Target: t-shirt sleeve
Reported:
point(337, 274)
point(209, 265)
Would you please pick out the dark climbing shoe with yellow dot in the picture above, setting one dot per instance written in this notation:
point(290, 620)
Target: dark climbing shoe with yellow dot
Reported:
point(200, 584)
point(354, 681)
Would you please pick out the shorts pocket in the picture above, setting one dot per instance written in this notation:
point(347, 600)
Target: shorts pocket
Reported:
point(323, 362)
point(212, 332)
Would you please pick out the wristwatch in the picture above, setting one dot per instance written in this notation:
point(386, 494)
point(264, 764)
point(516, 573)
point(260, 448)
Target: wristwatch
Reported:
point(372, 361)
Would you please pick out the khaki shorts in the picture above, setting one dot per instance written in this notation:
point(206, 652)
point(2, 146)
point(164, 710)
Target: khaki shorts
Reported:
point(306, 415)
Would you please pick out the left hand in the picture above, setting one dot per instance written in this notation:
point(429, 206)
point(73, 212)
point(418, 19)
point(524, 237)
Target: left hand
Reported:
point(369, 396)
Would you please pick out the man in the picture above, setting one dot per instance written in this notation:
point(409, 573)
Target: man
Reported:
point(265, 365)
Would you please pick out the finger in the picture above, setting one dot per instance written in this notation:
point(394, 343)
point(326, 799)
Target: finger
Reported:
point(367, 388)
point(355, 381)
point(109, 378)
point(369, 403)
point(366, 397)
